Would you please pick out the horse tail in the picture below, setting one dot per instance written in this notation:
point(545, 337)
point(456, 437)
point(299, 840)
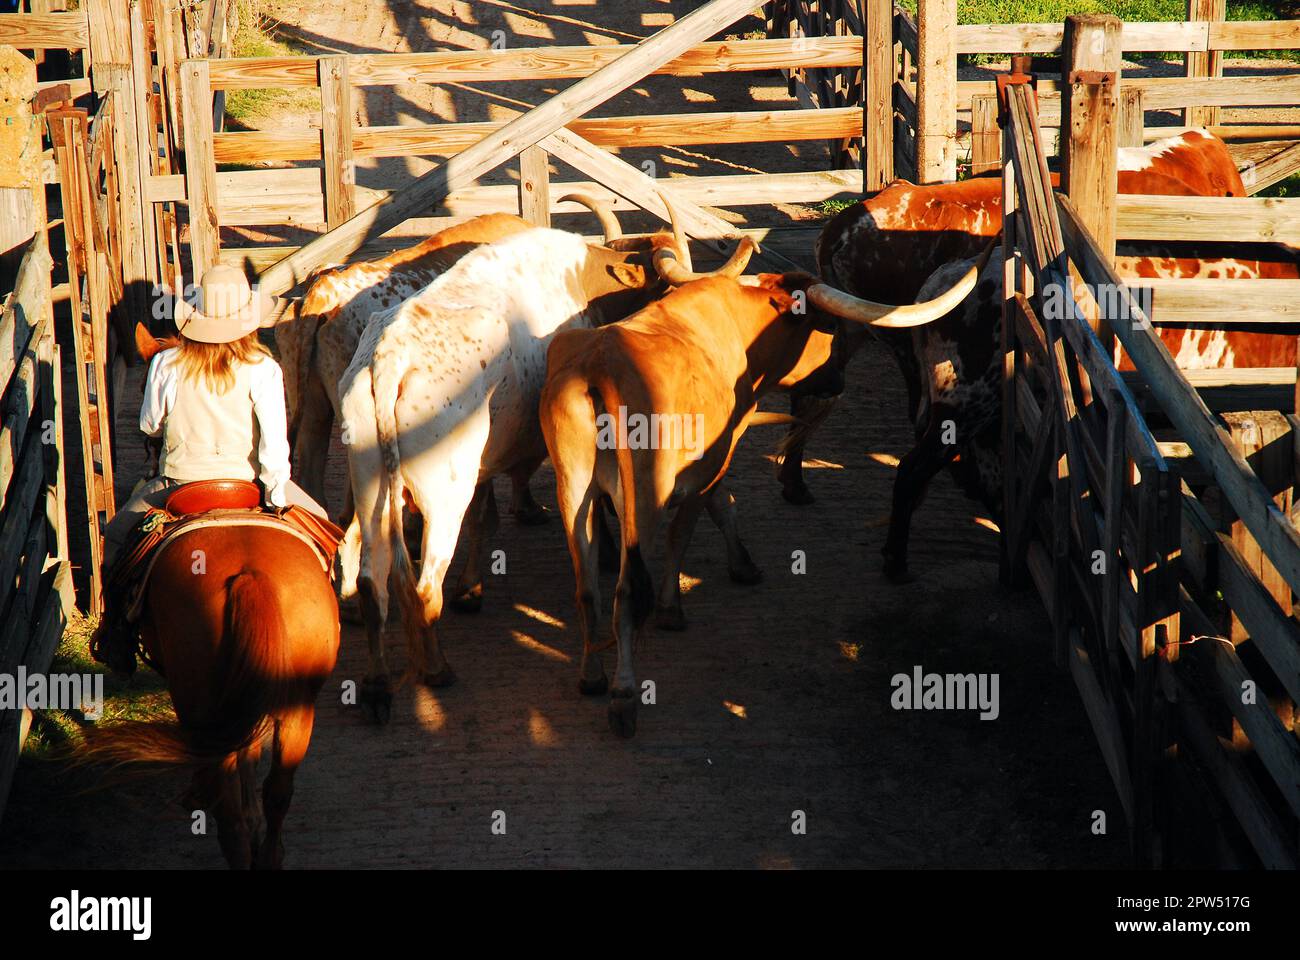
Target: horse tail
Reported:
point(252, 677)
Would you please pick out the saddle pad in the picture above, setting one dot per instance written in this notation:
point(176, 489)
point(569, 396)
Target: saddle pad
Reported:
point(217, 518)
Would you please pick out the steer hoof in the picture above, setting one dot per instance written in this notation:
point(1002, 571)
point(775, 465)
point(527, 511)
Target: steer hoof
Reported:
point(443, 678)
point(376, 700)
point(622, 713)
point(798, 494)
point(670, 618)
point(746, 572)
point(593, 688)
point(896, 570)
point(469, 601)
point(532, 516)
point(350, 610)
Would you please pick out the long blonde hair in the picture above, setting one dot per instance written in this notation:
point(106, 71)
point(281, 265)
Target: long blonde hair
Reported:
point(214, 363)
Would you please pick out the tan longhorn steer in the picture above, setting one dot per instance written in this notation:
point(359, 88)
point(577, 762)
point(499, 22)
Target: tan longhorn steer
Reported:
point(703, 354)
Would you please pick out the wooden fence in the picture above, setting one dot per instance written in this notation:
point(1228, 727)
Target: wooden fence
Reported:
point(321, 198)
point(35, 573)
point(1168, 567)
point(110, 125)
point(822, 87)
point(911, 77)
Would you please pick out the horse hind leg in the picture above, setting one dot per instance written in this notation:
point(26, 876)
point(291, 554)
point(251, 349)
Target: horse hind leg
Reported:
point(251, 801)
point(292, 736)
point(232, 825)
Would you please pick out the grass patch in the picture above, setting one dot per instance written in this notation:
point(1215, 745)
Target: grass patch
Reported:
point(1050, 11)
point(254, 36)
point(143, 697)
point(1289, 188)
point(828, 208)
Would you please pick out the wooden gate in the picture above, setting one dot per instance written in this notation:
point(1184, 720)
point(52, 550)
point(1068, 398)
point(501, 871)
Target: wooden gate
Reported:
point(1183, 649)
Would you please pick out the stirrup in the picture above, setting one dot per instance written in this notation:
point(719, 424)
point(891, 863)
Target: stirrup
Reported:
point(109, 644)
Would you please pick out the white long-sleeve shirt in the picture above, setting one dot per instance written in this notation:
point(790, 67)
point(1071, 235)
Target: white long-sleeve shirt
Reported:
point(267, 395)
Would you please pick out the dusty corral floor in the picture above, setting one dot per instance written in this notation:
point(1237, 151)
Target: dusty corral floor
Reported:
point(808, 657)
point(775, 700)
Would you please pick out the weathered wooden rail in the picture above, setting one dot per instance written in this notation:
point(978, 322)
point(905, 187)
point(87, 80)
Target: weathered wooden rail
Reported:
point(35, 573)
point(1175, 616)
point(821, 87)
point(916, 85)
point(323, 198)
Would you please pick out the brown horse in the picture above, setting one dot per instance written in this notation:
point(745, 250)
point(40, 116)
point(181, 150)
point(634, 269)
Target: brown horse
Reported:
point(245, 645)
point(243, 623)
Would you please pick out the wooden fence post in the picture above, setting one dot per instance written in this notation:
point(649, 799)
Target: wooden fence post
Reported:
point(66, 131)
point(936, 91)
point(130, 218)
point(1009, 569)
point(1207, 63)
point(878, 94)
point(535, 186)
point(110, 40)
point(145, 132)
point(200, 167)
point(20, 173)
point(1090, 73)
point(336, 129)
point(218, 40)
point(1132, 119)
point(1263, 437)
point(985, 138)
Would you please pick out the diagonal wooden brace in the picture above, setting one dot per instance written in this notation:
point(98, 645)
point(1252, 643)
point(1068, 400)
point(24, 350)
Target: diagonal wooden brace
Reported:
point(629, 182)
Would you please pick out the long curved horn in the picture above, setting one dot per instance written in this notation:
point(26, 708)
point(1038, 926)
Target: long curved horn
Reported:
point(608, 222)
point(676, 267)
point(874, 314)
point(667, 265)
point(679, 234)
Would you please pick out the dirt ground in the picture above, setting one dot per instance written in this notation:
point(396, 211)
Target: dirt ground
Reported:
point(807, 659)
point(776, 699)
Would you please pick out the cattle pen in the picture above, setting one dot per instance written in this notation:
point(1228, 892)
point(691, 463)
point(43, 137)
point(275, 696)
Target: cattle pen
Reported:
point(1149, 508)
point(1175, 620)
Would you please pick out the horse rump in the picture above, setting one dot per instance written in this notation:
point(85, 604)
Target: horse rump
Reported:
point(250, 673)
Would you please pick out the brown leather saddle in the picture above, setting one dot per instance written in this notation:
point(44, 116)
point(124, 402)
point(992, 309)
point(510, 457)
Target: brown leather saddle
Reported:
point(207, 503)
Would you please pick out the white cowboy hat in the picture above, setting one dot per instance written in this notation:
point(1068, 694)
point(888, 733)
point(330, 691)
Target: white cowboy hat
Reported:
point(227, 308)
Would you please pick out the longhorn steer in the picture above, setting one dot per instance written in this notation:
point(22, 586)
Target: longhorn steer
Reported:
point(885, 247)
point(709, 351)
point(442, 396)
point(320, 339)
point(959, 357)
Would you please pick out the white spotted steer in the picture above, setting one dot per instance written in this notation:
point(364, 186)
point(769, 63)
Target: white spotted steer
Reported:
point(442, 395)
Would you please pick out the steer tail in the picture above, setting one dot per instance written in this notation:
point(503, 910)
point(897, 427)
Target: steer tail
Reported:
point(812, 413)
point(252, 675)
point(637, 510)
point(385, 384)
